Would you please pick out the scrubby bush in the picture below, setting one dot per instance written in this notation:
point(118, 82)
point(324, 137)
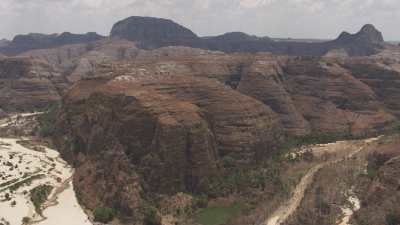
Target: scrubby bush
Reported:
point(26, 220)
point(200, 201)
point(103, 214)
point(228, 162)
point(375, 161)
point(396, 127)
point(308, 156)
point(318, 138)
point(151, 216)
point(39, 196)
point(392, 219)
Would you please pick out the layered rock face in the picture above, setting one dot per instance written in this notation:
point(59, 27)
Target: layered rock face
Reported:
point(26, 84)
point(384, 80)
point(172, 130)
point(357, 95)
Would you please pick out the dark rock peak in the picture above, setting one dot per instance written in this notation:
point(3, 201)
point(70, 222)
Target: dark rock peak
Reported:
point(367, 34)
point(151, 31)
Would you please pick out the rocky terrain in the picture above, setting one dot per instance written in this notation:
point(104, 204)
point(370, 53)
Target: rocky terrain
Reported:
point(35, 183)
point(155, 114)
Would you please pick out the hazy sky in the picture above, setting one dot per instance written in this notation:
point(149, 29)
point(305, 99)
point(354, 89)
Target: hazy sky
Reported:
point(274, 18)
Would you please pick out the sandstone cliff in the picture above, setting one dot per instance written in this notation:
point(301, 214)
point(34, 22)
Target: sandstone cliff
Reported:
point(26, 84)
point(171, 130)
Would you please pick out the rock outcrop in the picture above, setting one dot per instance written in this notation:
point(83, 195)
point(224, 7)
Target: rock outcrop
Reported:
point(26, 84)
point(23, 43)
point(4, 43)
point(151, 32)
point(171, 130)
point(367, 34)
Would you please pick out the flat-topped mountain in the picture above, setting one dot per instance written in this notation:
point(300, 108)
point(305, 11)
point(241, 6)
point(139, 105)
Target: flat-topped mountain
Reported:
point(151, 32)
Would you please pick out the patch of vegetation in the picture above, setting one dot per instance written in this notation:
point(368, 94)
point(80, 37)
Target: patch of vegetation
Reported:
point(27, 181)
point(217, 215)
point(392, 218)
point(103, 214)
point(396, 127)
point(39, 195)
point(26, 220)
point(200, 201)
point(151, 216)
point(320, 138)
point(320, 204)
point(8, 182)
point(48, 120)
point(375, 162)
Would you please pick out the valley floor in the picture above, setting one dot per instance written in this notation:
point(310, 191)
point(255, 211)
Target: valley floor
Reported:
point(26, 166)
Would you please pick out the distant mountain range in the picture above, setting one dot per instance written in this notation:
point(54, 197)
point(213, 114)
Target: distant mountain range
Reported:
point(23, 43)
point(151, 33)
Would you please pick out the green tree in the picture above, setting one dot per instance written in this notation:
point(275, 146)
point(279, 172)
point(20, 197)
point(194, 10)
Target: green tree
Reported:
point(103, 214)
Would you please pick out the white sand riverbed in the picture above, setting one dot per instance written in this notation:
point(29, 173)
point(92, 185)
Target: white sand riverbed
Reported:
point(349, 211)
point(17, 164)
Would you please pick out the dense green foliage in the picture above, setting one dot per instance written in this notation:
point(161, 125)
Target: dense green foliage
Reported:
point(39, 195)
point(48, 120)
point(217, 215)
point(103, 214)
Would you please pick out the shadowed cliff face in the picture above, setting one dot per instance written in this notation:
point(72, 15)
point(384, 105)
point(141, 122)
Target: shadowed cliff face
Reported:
point(172, 131)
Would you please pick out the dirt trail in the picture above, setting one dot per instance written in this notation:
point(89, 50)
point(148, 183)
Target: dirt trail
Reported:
point(289, 207)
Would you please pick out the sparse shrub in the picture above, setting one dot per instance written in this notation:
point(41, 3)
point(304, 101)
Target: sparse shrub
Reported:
point(151, 216)
point(228, 162)
point(396, 127)
point(375, 161)
point(26, 220)
point(320, 203)
point(319, 138)
point(103, 214)
point(200, 201)
point(392, 219)
point(308, 156)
